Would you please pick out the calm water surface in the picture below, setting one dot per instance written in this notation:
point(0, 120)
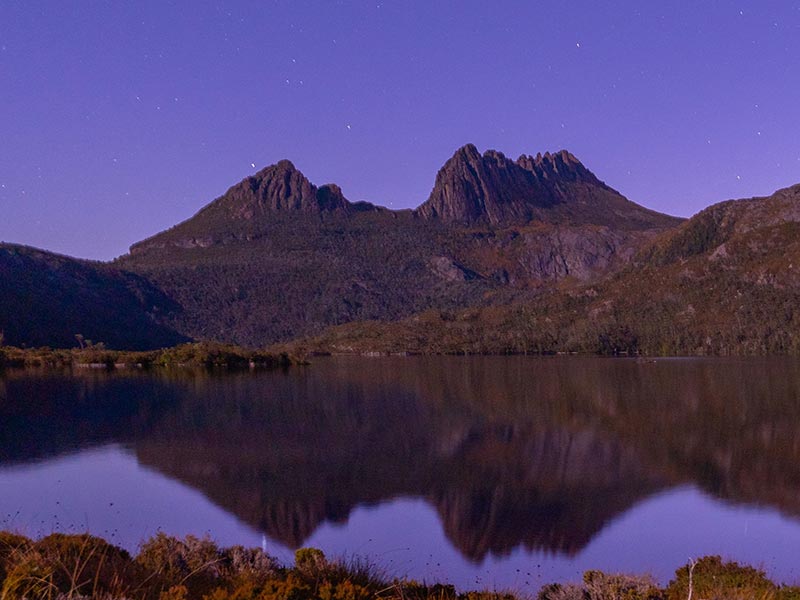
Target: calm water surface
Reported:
point(486, 472)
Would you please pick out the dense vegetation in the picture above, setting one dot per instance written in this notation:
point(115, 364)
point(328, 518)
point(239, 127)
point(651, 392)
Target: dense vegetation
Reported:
point(300, 273)
point(205, 354)
point(79, 567)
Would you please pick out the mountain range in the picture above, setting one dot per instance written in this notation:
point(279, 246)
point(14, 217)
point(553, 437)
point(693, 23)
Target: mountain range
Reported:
point(529, 255)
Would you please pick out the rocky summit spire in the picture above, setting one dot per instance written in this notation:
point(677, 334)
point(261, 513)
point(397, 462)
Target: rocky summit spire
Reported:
point(470, 187)
point(281, 187)
point(493, 189)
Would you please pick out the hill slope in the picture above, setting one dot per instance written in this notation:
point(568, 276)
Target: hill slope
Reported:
point(46, 299)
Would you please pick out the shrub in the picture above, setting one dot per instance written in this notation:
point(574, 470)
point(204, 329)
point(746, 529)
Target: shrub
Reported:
point(558, 591)
point(193, 562)
point(602, 586)
point(249, 565)
point(353, 579)
point(71, 566)
point(713, 579)
point(310, 561)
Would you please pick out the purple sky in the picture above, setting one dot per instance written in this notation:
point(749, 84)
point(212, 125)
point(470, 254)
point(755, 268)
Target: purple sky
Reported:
point(120, 119)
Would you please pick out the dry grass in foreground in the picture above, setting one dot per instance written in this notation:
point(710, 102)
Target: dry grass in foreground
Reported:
point(78, 567)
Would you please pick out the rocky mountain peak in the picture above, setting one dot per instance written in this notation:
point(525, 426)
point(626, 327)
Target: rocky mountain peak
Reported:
point(278, 188)
point(491, 188)
point(281, 187)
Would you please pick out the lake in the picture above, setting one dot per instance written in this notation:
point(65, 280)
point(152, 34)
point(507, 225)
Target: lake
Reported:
point(498, 472)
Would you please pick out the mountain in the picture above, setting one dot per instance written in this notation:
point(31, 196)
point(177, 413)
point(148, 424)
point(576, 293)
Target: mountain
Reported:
point(247, 209)
point(46, 299)
point(726, 281)
point(277, 257)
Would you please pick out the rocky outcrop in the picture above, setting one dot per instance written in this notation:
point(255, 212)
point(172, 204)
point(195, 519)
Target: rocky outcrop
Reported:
point(561, 166)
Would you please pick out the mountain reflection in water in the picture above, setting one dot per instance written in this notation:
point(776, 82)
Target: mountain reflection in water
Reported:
point(512, 452)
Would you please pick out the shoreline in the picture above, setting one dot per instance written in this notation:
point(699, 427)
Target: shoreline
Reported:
point(192, 355)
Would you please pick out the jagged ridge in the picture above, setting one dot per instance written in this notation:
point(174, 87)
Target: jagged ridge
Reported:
point(556, 188)
point(470, 189)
